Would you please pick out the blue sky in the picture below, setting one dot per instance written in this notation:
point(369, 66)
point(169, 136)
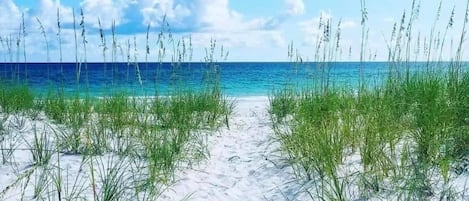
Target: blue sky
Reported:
point(251, 30)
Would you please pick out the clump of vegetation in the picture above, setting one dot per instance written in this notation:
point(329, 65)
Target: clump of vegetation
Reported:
point(15, 98)
point(402, 137)
point(129, 146)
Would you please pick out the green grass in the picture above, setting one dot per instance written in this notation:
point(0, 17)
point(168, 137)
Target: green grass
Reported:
point(406, 123)
point(405, 135)
point(148, 137)
point(160, 131)
point(15, 97)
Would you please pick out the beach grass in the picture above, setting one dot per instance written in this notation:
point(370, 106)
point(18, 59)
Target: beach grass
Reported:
point(400, 139)
point(406, 131)
point(129, 146)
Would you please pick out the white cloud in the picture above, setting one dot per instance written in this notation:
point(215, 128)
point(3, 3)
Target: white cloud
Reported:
point(295, 7)
point(232, 29)
point(48, 14)
point(310, 28)
point(106, 11)
point(176, 12)
point(348, 24)
point(278, 39)
point(212, 16)
point(10, 17)
point(202, 16)
point(253, 45)
point(216, 15)
point(203, 19)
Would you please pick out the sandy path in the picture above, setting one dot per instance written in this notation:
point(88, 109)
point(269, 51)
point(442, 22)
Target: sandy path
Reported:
point(240, 166)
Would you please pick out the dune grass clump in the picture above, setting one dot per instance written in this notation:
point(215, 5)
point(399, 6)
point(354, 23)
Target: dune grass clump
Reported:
point(402, 136)
point(128, 144)
point(15, 98)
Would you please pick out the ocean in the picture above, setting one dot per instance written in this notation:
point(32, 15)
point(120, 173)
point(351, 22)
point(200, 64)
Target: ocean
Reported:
point(236, 78)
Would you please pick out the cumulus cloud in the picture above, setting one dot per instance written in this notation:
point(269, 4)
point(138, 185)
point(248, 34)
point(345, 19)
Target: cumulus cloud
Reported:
point(278, 39)
point(203, 16)
point(10, 16)
point(295, 7)
point(310, 27)
point(47, 13)
point(177, 12)
point(203, 19)
point(348, 24)
point(217, 16)
point(106, 11)
point(232, 29)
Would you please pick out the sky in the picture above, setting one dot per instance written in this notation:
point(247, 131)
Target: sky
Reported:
point(248, 30)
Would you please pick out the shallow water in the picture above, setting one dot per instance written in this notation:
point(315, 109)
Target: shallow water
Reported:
point(236, 78)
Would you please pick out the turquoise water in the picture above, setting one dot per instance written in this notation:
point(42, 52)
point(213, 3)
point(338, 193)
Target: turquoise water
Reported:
point(237, 79)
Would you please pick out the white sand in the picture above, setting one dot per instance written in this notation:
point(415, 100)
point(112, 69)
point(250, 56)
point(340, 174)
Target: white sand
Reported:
point(241, 165)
